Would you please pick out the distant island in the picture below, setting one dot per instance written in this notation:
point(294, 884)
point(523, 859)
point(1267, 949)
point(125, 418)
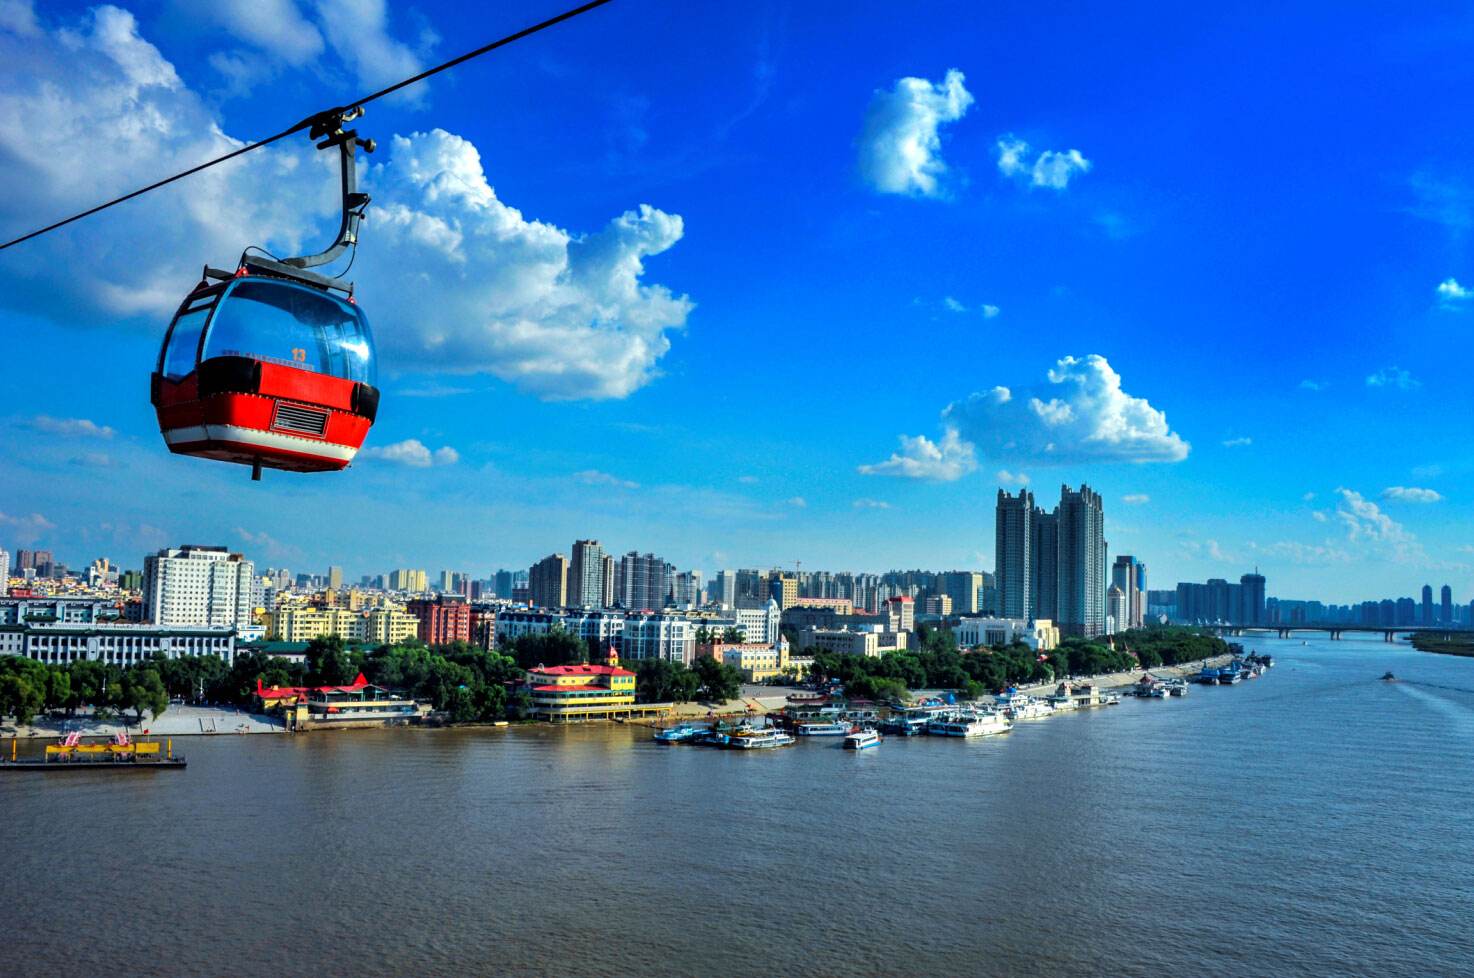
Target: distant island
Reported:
point(1444, 644)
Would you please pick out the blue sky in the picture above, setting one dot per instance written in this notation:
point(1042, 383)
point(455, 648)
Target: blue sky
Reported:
point(683, 278)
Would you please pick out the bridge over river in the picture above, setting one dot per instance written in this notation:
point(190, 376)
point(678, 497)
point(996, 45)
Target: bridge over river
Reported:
point(1389, 634)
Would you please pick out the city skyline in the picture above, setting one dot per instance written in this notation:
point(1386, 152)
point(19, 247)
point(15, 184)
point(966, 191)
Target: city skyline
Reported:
point(1038, 292)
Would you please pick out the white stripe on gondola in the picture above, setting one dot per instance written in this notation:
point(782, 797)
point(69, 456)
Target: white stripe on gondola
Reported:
point(262, 439)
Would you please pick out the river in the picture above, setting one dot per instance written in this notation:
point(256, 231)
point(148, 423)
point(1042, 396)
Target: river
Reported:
point(1312, 822)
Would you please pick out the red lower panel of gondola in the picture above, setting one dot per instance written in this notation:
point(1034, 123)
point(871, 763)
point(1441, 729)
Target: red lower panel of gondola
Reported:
point(273, 449)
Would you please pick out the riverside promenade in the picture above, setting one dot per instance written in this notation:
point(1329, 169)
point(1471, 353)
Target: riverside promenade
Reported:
point(177, 721)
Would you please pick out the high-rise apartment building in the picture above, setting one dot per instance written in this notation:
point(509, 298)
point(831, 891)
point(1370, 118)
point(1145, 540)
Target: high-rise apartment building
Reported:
point(724, 589)
point(547, 583)
point(686, 589)
point(1044, 551)
point(1251, 599)
point(606, 582)
point(784, 590)
point(442, 619)
point(1119, 606)
point(964, 588)
point(1126, 576)
point(4, 572)
point(643, 582)
point(1427, 605)
point(586, 575)
point(195, 585)
point(335, 578)
point(1082, 559)
point(1013, 553)
point(1446, 601)
point(407, 579)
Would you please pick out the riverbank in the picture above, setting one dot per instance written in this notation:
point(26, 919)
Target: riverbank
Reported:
point(1119, 680)
point(176, 721)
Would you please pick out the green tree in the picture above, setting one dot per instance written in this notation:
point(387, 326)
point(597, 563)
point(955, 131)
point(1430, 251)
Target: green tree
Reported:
point(143, 689)
point(719, 682)
point(732, 635)
point(20, 698)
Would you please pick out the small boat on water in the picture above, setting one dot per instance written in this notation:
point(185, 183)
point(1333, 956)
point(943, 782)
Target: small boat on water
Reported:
point(861, 740)
point(1028, 708)
point(1387, 677)
point(834, 728)
point(1178, 688)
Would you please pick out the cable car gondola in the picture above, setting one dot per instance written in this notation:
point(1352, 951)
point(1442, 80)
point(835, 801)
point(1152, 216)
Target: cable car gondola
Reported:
point(272, 366)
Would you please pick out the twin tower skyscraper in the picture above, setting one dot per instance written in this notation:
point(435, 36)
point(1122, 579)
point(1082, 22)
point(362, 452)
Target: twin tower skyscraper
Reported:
point(1052, 565)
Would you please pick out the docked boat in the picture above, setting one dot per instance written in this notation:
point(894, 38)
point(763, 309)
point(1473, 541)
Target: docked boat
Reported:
point(118, 754)
point(1178, 688)
point(1228, 676)
point(766, 739)
point(681, 733)
point(834, 728)
point(1028, 708)
point(904, 726)
point(861, 740)
point(968, 725)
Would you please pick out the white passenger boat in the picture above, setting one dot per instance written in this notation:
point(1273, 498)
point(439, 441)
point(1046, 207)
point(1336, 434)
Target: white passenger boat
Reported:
point(968, 725)
point(759, 740)
point(833, 729)
point(1028, 708)
point(862, 740)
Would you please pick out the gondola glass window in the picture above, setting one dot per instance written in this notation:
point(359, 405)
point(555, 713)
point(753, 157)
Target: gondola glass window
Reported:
point(184, 344)
point(282, 322)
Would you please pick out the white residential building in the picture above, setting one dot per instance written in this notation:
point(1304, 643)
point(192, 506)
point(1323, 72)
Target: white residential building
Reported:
point(658, 636)
point(199, 586)
point(120, 645)
point(1040, 634)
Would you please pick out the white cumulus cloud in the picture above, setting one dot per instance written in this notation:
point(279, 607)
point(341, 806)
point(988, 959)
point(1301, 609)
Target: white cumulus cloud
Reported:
point(71, 427)
point(414, 453)
point(1452, 294)
point(990, 312)
point(1081, 415)
point(1411, 494)
point(456, 280)
point(1052, 168)
point(946, 460)
point(1008, 478)
point(1365, 523)
point(901, 143)
point(275, 27)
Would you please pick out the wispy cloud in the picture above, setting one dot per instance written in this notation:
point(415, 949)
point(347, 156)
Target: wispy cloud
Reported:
point(871, 504)
point(1411, 494)
point(1007, 478)
point(1366, 524)
point(1136, 499)
point(747, 480)
point(797, 502)
point(1314, 385)
point(1393, 377)
point(953, 305)
point(70, 427)
point(901, 144)
point(413, 453)
point(593, 477)
point(267, 545)
point(26, 529)
point(1240, 442)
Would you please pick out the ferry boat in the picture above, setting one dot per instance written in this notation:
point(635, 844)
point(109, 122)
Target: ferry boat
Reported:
point(767, 739)
point(968, 725)
point(118, 754)
point(1209, 676)
point(832, 729)
point(1178, 688)
point(1028, 708)
point(904, 726)
point(861, 740)
point(681, 733)
point(1228, 675)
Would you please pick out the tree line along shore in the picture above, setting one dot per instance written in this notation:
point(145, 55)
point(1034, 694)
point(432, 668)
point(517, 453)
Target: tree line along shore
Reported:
point(469, 684)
